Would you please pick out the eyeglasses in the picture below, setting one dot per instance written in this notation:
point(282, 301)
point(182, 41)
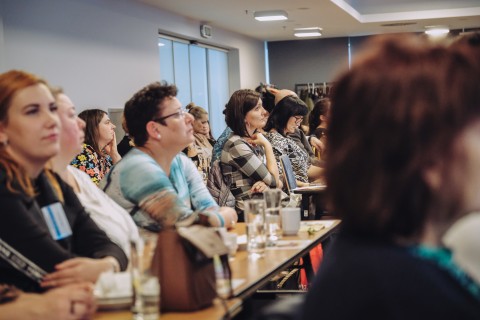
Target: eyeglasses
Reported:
point(298, 119)
point(180, 114)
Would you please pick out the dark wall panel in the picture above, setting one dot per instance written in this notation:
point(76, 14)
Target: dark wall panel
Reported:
point(307, 61)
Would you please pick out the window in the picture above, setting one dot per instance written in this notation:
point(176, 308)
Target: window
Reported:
point(200, 73)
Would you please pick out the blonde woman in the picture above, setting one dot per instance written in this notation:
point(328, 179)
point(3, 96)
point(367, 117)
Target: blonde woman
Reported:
point(107, 214)
point(200, 151)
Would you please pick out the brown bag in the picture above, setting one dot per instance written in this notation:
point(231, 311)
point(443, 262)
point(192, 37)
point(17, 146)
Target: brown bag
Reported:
point(183, 262)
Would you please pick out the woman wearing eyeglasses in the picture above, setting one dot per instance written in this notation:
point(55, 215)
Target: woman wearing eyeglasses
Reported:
point(100, 149)
point(155, 181)
point(285, 118)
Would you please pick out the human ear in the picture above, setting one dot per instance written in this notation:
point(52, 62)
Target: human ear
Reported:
point(152, 130)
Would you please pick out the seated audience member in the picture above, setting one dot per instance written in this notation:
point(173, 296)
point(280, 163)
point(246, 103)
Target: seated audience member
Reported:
point(155, 176)
point(126, 143)
point(304, 142)
point(243, 153)
point(285, 119)
point(317, 123)
point(67, 303)
point(100, 149)
point(41, 217)
point(109, 216)
point(269, 99)
point(402, 167)
point(200, 151)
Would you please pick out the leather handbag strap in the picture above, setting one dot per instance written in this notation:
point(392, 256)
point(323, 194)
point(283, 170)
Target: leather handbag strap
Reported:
point(20, 262)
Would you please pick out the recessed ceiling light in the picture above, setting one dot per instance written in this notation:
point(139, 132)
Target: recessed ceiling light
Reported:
point(307, 32)
point(272, 15)
point(436, 30)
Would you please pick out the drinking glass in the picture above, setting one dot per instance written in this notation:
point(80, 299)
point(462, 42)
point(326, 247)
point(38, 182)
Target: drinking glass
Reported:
point(273, 199)
point(146, 288)
point(256, 231)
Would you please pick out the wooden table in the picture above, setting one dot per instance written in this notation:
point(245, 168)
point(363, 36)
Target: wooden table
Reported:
point(257, 273)
point(216, 311)
point(253, 273)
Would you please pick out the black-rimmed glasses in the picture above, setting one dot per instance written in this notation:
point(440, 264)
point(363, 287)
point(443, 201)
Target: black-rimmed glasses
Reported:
point(298, 119)
point(180, 114)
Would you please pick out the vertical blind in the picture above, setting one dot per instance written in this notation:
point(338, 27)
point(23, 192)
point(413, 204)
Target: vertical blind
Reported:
point(201, 74)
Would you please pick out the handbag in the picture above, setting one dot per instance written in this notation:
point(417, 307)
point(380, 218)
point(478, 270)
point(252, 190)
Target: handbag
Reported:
point(184, 264)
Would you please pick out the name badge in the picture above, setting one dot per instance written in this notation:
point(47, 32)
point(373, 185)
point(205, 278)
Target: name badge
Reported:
point(57, 221)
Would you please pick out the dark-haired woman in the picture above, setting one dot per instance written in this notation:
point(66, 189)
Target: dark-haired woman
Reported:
point(403, 155)
point(317, 124)
point(285, 119)
point(100, 149)
point(247, 156)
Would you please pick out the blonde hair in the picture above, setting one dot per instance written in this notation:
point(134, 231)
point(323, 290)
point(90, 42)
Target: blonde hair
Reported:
point(196, 111)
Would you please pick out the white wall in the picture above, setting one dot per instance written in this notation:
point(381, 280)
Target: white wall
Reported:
point(102, 51)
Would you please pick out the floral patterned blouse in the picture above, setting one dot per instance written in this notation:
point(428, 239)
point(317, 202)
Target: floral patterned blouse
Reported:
point(92, 163)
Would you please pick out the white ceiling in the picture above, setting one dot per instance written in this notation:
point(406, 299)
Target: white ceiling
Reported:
point(337, 18)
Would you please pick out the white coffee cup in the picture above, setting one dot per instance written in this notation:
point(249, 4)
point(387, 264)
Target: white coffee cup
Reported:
point(290, 220)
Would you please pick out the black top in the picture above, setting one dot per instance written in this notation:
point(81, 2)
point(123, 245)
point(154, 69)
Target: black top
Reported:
point(124, 146)
point(23, 227)
point(368, 279)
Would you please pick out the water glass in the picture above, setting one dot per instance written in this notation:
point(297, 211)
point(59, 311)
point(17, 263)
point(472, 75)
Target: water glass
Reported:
point(146, 287)
point(230, 240)
point(273, 198)
point(256, 229)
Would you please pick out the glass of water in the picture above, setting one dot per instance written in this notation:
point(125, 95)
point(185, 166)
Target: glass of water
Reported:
point(273, 198)
point(146, 287)
point(256, 228)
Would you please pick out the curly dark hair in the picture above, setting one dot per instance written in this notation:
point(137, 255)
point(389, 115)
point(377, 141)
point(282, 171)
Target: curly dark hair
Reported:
point(144, 106)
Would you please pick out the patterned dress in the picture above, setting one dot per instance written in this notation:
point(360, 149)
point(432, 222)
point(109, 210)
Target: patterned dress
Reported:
point(92, 163)
point(286, 146)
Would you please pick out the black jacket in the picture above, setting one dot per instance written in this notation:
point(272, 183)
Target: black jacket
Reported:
point(23, 227)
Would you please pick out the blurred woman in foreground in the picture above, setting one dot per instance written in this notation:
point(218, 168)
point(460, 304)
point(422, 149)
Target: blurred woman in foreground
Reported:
point(403, 154)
